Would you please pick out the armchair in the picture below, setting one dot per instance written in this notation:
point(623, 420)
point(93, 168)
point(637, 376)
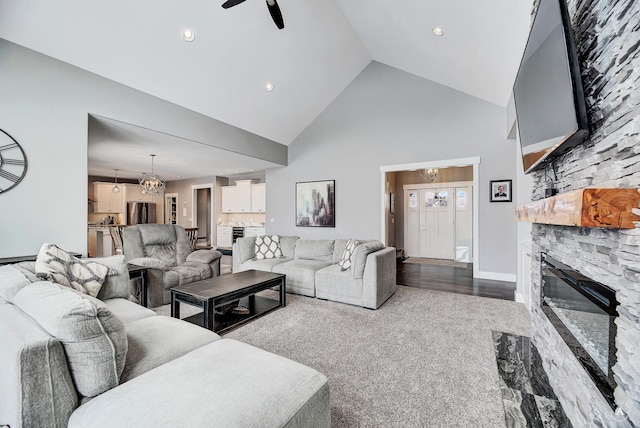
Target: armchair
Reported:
point(165, 250)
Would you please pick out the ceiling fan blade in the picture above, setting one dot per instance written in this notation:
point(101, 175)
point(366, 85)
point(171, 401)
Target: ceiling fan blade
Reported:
point(231, 3)
point(274, 10)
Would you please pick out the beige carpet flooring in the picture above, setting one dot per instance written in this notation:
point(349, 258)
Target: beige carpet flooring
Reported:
point(424, 359)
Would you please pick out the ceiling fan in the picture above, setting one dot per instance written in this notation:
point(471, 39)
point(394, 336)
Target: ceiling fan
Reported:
point(272, 5)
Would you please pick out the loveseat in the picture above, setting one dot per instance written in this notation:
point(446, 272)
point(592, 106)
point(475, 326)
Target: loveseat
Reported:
point(70, 359)
point(313, 267)
point(167, 253)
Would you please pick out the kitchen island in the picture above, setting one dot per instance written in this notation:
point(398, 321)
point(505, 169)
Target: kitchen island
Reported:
point(100, 242)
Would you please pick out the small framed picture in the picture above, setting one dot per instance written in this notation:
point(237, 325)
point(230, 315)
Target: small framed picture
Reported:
point(500, 190)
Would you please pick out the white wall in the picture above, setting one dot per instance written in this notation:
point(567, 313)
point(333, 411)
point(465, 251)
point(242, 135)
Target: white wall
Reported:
point(44, 105)
point(388, 117)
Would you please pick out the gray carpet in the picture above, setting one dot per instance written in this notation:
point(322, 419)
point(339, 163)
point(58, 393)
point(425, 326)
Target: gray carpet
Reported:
point(424, 359)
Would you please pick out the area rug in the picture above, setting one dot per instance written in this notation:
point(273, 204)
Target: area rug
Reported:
point(437, 262)
point(424, 359)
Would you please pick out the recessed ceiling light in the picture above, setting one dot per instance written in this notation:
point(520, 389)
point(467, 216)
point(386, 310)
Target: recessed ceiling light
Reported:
point(269, 86)
point(437, 31)
point(188, 35)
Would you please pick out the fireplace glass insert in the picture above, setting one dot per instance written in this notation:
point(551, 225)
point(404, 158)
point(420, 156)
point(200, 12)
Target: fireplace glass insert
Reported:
point(583, 311)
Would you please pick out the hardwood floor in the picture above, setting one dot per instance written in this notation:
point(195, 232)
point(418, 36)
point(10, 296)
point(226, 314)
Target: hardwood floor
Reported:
point(452, 279)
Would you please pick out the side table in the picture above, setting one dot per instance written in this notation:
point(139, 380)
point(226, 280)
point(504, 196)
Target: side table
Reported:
point(136, 271)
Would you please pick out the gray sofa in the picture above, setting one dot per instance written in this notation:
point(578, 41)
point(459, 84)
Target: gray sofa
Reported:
point(68, 359)
point(311, 267)
point(167, 253)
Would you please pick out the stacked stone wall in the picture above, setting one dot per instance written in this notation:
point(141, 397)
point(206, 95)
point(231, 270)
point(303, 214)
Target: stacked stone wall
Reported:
point(607, 34)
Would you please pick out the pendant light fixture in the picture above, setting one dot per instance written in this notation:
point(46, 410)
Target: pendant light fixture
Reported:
point(115, 188)
point(429, 174)
point(151, 183)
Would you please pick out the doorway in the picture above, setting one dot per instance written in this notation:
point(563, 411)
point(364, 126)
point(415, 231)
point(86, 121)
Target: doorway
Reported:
point(202, 212)
point(467, 237)
point(437, 220)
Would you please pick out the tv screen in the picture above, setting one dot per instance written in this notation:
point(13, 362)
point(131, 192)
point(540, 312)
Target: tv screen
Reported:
point(549, 100)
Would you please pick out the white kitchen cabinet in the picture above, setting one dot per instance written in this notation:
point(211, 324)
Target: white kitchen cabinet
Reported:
point(258, 197)
point(224, 236)
point(134, 193)
point(229, 199)
point(106, 200)
point(244, 197)
point(253, 231)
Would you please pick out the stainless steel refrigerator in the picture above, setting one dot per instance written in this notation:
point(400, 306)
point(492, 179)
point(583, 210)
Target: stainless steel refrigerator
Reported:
point(141, 212)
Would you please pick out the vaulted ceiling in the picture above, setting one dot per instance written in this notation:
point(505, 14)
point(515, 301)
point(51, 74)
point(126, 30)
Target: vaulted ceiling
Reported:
point(325, 44)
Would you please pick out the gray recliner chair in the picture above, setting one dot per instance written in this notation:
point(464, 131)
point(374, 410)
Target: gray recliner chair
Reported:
point(166, 251)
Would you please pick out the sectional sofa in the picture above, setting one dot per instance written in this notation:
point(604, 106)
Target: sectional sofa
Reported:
point(70, 359)
point(312, 267)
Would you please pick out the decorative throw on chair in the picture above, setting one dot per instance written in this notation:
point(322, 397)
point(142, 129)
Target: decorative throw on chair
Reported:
point(57, 265)
point(345, 261)
point(268, 247)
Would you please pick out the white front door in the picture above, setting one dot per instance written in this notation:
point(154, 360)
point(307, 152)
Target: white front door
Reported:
point(437, 223)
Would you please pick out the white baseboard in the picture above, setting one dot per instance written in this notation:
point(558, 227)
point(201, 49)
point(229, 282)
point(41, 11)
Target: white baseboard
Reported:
point(496, 276)
point(519, 297)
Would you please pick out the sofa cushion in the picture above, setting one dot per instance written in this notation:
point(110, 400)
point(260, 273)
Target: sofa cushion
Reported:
point(128, 311)
point(11, 281)
point(245, 248)
point(93, 338)
point(267, 247)
point(28, 269)
point(185, 274)
point(345, 260)
point(116, 284)
point(264, 264)
point(57, 265)
point(242, 386)
point(300, 274)
point(156, 340)
point(337, 285)
point(36, 389)
point(288, 246)
point(315, 249)
point(359, 257)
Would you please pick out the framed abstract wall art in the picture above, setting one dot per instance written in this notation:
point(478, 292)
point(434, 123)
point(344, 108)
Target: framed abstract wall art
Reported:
point(315, 203)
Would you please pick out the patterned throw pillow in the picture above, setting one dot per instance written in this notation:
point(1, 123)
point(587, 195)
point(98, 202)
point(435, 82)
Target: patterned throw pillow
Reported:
point(268, 247)
point(56, 265)
point(345, 261)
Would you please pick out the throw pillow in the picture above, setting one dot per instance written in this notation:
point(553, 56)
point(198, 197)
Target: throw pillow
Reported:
point(93, 338)
point(268, 247)
point(117, 282)
point(56, 265)
point(345, 261)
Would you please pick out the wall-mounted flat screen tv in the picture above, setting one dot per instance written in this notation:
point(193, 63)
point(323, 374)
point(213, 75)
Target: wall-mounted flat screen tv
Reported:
point(549, 99)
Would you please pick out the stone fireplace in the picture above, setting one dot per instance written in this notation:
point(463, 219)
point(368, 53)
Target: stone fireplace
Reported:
point(608, 43)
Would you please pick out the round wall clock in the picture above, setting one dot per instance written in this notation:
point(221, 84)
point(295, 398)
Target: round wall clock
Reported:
point(13, 162)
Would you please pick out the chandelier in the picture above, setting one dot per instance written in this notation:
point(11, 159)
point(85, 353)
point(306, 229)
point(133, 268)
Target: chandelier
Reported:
point(151, 183)
point(429, 174)
point(115, 188)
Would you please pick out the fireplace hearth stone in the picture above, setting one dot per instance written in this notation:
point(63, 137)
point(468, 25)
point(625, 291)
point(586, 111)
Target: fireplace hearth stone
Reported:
point(528, 399)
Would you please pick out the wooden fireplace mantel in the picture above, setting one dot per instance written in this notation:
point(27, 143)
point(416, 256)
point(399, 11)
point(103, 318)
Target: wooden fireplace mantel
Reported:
point(611, 208)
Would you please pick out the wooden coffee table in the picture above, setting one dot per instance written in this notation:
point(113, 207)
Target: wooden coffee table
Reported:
point(219, 291)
